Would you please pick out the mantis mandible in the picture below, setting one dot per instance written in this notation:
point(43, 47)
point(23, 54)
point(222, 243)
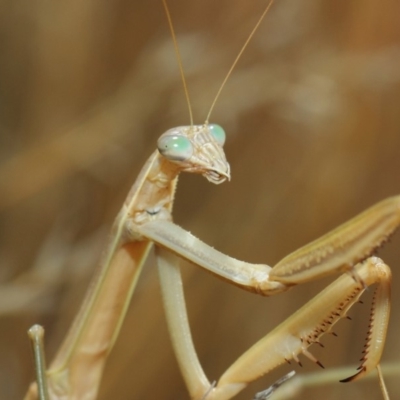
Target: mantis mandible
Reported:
point(146, 218)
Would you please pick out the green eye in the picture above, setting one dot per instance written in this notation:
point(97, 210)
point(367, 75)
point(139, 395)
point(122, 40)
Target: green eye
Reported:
point(218, 133)
point(175, 147)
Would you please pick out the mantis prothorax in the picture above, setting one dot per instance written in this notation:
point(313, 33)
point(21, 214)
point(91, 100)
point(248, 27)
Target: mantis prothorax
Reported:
point(145, 219)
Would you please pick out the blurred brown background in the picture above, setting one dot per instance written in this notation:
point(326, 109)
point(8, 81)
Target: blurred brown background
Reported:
point(312, 117)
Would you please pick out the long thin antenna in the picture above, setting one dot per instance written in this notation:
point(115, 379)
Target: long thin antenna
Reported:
point(179, 58)
point(237, 58)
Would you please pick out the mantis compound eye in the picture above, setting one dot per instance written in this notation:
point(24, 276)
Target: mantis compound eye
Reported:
point(175, 147)
point(218, 133)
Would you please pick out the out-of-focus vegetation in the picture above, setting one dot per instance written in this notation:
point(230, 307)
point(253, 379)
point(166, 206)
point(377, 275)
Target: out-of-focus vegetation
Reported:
point(312, 117)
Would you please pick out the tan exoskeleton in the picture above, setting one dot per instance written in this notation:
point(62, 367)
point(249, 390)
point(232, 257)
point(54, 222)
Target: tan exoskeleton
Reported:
point(145, 219)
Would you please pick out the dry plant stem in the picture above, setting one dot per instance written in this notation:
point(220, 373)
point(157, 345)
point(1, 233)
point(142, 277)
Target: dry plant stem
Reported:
point(36, 336)
point(294, 388)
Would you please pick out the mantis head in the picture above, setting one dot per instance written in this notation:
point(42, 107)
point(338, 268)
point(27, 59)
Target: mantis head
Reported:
point(198, 149)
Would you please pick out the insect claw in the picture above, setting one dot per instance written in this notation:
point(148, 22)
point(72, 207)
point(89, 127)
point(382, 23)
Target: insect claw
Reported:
point(361, 371)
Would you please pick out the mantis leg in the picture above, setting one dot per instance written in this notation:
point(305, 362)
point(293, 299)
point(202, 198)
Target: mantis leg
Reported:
point(310, 323)
point(342, 248)
point(285, 342)
point(77, 368)
point(338, 251)
point(175, 310)
point(196, 381)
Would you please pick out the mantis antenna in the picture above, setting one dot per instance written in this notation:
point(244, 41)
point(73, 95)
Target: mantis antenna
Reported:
point(179, 58)
point(237, 58)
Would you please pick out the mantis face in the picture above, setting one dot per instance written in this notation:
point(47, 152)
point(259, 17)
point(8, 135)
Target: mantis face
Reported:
point(197, 149)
